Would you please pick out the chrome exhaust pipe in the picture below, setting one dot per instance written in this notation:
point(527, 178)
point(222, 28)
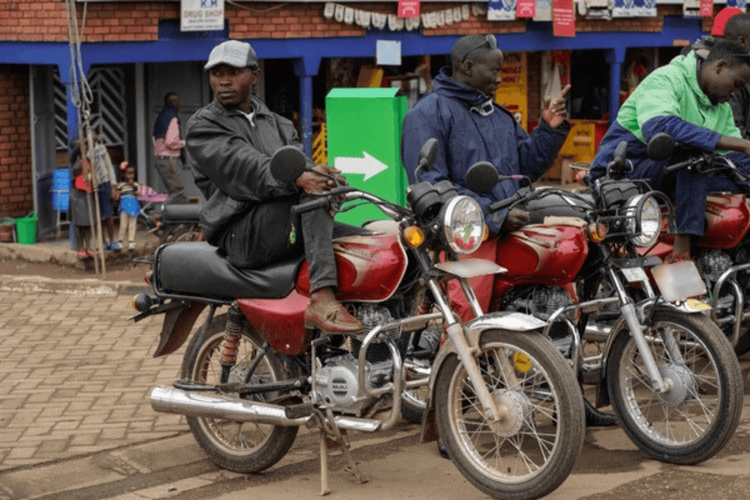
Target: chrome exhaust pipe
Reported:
point(203, 405)
point(597, 333)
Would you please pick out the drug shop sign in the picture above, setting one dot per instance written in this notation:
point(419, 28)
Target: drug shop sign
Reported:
point(201, 15)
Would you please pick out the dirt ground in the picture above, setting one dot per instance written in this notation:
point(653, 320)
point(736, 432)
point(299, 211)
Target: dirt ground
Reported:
point(112, 272)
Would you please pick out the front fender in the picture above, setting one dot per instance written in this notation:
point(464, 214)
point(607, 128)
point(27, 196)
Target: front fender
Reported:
point(473, 330)
point(177, 325)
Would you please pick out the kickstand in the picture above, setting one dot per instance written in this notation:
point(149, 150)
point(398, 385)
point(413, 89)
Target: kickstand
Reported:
point(331, 439)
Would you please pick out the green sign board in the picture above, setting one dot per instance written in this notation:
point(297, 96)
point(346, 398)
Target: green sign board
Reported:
point(364, 142)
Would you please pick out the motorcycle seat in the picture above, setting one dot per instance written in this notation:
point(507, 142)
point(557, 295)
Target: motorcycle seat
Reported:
point(181, 212)
point(197, 269)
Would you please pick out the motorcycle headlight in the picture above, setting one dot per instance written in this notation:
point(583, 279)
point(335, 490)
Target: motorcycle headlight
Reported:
point(463, 224)
point(644, 221)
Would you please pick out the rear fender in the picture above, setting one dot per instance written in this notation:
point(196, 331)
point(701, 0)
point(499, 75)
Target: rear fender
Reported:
point(473, 330)
point(178, 324)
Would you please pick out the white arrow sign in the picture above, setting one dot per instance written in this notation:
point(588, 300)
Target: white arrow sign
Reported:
point(369, 165)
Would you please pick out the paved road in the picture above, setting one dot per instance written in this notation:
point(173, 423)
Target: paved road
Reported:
point(75, 423)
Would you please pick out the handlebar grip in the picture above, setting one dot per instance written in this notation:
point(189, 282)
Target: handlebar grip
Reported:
point(677, 166)
point(502, 204)
point(322, 202)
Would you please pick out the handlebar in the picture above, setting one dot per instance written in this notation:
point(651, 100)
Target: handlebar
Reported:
point(507, 202)
point(714, 162)
point(328, 200)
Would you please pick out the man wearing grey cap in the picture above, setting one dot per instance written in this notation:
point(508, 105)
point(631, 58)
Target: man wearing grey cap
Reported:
point(248, 213)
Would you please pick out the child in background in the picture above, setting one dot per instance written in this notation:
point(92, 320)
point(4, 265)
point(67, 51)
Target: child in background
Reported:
point(79, 206)
point(127, 192)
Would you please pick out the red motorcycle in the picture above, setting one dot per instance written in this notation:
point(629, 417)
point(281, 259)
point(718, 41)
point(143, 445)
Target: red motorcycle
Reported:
point(502, 397)
point(722, 254)
point(666, 367)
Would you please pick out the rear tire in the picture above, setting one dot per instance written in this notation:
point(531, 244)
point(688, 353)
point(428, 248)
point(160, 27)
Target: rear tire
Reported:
point(536, 446)
point(242, 447)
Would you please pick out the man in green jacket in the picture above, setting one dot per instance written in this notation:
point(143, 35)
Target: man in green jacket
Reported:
point(688, 99)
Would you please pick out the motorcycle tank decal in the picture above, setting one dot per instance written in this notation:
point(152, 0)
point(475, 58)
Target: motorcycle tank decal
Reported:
point(369, 268)
point(547, 255)
point(279, 321)
point(727, 221)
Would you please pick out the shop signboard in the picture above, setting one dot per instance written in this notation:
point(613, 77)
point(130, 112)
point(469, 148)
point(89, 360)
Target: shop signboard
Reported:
point(364, 142)
point(513, 91)
point(201, 15)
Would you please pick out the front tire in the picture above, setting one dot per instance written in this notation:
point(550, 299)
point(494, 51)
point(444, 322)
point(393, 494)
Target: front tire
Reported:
point(696, 417)
point(242, 447)
point(533, 450)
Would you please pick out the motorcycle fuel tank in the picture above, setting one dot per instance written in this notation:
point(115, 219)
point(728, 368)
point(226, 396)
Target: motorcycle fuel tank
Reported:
point(543, 254)
point(370, 268)
point(727, 221)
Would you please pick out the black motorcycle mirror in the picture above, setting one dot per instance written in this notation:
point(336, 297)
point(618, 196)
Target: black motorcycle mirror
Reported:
point(482, 177)
point(427, 156)
point(660, 147)
point(287, 164)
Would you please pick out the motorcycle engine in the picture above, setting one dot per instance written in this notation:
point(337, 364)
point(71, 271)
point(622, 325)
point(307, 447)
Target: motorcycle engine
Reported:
point(713, 263)
point(338, 382)
point(541, 301)
point(538, 300)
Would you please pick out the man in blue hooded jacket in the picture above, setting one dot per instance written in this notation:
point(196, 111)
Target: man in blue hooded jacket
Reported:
point(470, 126)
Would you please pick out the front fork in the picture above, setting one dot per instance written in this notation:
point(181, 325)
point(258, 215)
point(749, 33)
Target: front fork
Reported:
point(467, 354)
point(636, 327)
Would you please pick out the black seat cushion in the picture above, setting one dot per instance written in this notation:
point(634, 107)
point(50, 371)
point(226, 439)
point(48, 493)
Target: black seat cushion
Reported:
point(199, 269)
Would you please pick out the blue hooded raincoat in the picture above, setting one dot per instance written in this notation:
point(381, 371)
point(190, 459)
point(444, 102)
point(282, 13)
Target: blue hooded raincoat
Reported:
point(470, 127)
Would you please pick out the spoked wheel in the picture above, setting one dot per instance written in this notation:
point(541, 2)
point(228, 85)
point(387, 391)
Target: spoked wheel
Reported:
point(701, 409)
point(242, 447)
point(532, 450)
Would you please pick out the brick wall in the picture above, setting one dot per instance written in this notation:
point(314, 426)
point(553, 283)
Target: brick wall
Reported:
point(39, 20)
point(16, 192)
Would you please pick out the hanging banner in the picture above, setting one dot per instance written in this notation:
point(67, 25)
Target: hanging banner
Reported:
point(707, 8)
point(635, 8)
point(408, 8)
point(563, 18)
point(525, 8)
point(501, 10)
point(201, 15)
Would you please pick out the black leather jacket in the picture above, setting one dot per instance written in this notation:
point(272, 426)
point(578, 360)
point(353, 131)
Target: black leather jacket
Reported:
point(230, 160)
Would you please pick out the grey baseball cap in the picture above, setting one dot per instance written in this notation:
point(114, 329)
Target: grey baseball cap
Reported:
point(233, 53)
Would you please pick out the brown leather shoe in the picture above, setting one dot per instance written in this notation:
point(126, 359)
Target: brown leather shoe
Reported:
point(331, 317)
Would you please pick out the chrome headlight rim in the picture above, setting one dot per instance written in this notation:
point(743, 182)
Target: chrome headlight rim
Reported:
point(638, 208)
point(473, 233)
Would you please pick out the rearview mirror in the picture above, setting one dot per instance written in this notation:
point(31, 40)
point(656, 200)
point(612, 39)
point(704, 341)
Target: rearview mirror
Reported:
point(482, 177)
point(660, 147)
point(287, 164)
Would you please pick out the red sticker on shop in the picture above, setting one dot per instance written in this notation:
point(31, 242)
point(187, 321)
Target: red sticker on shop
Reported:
point(707, 8)
point(563, 18)
point(525, 8)
point(408, 8)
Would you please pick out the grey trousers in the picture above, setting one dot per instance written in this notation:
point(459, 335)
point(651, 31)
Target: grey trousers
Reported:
point(170, 171)
point(261, 236)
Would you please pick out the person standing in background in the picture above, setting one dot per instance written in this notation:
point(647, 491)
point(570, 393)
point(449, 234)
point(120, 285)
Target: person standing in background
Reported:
point(127, 192)
point(105, 184)
point(168, 148)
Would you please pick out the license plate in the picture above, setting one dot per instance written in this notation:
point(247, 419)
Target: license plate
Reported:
point(679, 281)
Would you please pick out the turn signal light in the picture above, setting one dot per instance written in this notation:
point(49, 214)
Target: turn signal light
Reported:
point(597, 232)
point(486, 233)
point(413, 236)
